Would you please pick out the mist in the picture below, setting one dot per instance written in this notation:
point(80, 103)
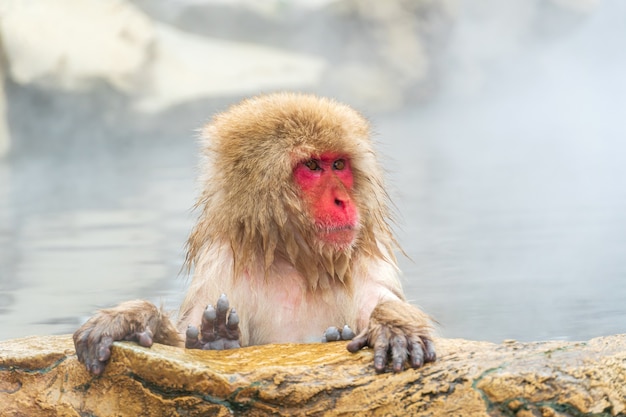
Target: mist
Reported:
point(516, 216)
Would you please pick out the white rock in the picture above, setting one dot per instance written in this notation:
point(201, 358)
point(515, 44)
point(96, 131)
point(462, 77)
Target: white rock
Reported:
point(68, 43)
point(187, 67)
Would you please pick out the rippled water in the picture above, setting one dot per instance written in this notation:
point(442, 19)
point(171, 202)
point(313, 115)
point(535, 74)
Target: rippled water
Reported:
point(88, 231)
point(512, 208)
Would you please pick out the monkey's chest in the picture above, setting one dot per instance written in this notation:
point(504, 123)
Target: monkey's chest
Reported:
point(290, 315)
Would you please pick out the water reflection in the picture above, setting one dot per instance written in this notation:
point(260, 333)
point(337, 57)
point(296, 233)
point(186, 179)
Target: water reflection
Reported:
point(521, 239)
point(80, 232)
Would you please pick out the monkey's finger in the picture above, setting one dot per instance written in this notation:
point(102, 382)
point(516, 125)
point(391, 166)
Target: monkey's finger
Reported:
point(143, 338)
point(357, 343)
point(208, 328)
point(80, 341)
point(87, 351)
point(331, 334)
point(381, 350)
point(233, 320)
point(399, 354)
point(103, 349)
point(347, 333)
point(416, 353)
point(209, 316)
point(191, 337)
point(429, 350)
point(94, 366)
point(222, 309)
point(92, 362)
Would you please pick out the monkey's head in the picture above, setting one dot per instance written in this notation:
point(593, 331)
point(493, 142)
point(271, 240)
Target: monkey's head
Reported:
point(292, 176)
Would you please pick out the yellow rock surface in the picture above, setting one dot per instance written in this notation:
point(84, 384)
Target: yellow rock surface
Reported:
point(40, 376)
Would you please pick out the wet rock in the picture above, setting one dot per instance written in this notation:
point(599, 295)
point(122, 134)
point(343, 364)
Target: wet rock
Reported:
point(40, 376)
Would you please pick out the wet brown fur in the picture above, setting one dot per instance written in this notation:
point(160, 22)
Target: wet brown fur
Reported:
point(249, 197)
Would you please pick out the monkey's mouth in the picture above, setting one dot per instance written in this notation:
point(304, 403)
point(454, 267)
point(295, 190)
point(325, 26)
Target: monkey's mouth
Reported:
point(339, 236)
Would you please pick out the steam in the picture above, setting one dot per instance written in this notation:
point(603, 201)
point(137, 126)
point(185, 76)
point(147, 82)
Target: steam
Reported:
point(517, 218)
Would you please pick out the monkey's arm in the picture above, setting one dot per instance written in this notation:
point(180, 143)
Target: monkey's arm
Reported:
point(395, 329)
point(137, 320)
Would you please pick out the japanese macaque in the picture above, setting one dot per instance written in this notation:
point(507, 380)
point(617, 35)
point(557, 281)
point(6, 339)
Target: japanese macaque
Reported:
point(293, 233)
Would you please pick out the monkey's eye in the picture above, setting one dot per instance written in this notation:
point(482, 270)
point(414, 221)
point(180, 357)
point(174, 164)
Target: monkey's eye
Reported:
point(312, 164)
point(339, 164)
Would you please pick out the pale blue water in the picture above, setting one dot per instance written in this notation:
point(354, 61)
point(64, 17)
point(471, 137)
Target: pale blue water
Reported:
point(511, 202)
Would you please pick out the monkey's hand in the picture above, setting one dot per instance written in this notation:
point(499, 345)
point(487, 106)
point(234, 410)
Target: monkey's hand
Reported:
point(219, 329)
point(138, 320)
point(399, 332)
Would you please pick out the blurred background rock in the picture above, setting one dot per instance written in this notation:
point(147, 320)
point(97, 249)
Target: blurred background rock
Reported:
point(488, 115)
point(126, 64)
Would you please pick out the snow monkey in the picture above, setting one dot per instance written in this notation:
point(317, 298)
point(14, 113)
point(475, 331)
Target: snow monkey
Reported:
point(293, 232)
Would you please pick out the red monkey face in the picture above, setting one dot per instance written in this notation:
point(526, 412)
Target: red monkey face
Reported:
point(326, 183)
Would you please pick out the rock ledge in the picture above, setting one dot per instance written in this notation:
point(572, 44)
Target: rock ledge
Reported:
point(40, 376)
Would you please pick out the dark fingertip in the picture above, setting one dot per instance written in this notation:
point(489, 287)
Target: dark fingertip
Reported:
point(233, 319)
point(104, 353)
point(192, 332)
point(347, 333)
point(416, 354)
point(96, 368)
point(356, 344)
point(145, 338)
point(191, 337)
point(399, 352)
point(332, 334)
point(103, 349)
point(429, 351)
point(222, 303)
point(379, 363)
point(398, 364)
point(210, 314)
point(417, 357)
